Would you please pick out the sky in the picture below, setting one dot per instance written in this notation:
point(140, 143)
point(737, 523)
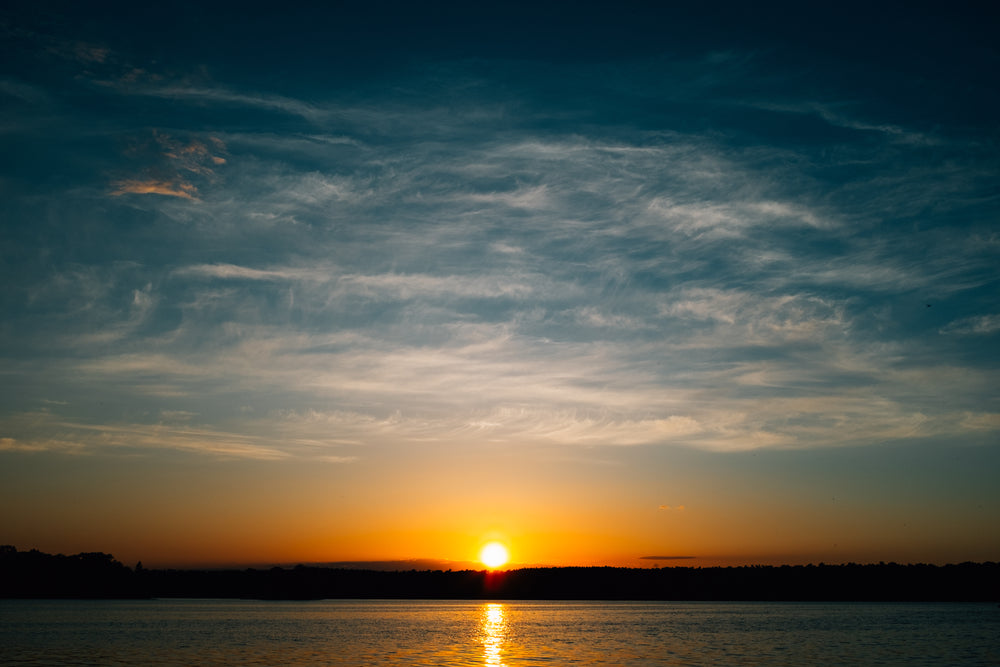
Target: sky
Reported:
point(631, 284)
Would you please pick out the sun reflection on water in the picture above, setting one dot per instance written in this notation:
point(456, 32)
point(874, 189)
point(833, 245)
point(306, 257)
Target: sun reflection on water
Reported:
point(494, 633)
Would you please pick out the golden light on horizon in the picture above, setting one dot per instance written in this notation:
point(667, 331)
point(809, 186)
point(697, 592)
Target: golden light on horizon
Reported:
point(493, 555)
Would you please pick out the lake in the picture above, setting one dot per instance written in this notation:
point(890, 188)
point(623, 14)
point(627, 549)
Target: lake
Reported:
point(415, 632)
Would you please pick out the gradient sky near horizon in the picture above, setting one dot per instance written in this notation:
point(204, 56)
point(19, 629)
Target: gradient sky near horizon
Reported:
point(609, 284)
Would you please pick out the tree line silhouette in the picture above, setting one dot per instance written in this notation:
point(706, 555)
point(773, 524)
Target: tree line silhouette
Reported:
point(33, 574)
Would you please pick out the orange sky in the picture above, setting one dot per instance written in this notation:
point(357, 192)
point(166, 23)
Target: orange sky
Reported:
point(548, 509)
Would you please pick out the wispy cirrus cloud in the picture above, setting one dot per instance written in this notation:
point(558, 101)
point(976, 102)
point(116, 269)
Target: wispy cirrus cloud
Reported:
point(175, 188)
point(975, 325)
point(167, 165)
point(839, 114)
point(598, 287)
point(50, 432)
point(232, 271)
point(222, 95)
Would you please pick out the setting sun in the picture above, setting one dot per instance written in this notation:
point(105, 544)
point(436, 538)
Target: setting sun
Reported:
point(493, 555)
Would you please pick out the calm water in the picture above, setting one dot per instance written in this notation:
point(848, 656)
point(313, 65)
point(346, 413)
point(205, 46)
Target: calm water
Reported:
point(350, 632)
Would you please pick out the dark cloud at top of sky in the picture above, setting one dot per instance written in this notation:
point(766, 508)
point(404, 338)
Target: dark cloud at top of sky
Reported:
point(347, 40)
point(927, 64)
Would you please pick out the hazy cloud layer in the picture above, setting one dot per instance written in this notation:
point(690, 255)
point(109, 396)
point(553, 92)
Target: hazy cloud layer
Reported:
point(479, 251)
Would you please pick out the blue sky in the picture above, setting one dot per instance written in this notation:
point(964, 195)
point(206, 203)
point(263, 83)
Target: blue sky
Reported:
point(618, 247)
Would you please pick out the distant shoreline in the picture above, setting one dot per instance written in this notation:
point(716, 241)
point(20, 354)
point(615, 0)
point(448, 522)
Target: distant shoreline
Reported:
point(33, 574)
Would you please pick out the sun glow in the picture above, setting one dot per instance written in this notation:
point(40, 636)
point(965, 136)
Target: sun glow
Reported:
point(493, 555)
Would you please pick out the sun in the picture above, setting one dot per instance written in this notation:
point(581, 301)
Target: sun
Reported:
point(493, 555)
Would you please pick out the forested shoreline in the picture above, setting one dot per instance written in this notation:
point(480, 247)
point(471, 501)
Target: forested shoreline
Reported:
point(33, 574)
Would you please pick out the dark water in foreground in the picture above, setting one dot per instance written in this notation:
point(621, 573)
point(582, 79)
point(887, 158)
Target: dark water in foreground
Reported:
point(371, 632)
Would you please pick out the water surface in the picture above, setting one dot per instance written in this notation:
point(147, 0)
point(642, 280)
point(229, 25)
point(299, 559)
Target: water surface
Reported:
point(367, 632)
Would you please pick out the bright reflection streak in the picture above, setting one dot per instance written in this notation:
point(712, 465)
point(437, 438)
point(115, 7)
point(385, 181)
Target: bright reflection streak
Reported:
point(494, 633)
